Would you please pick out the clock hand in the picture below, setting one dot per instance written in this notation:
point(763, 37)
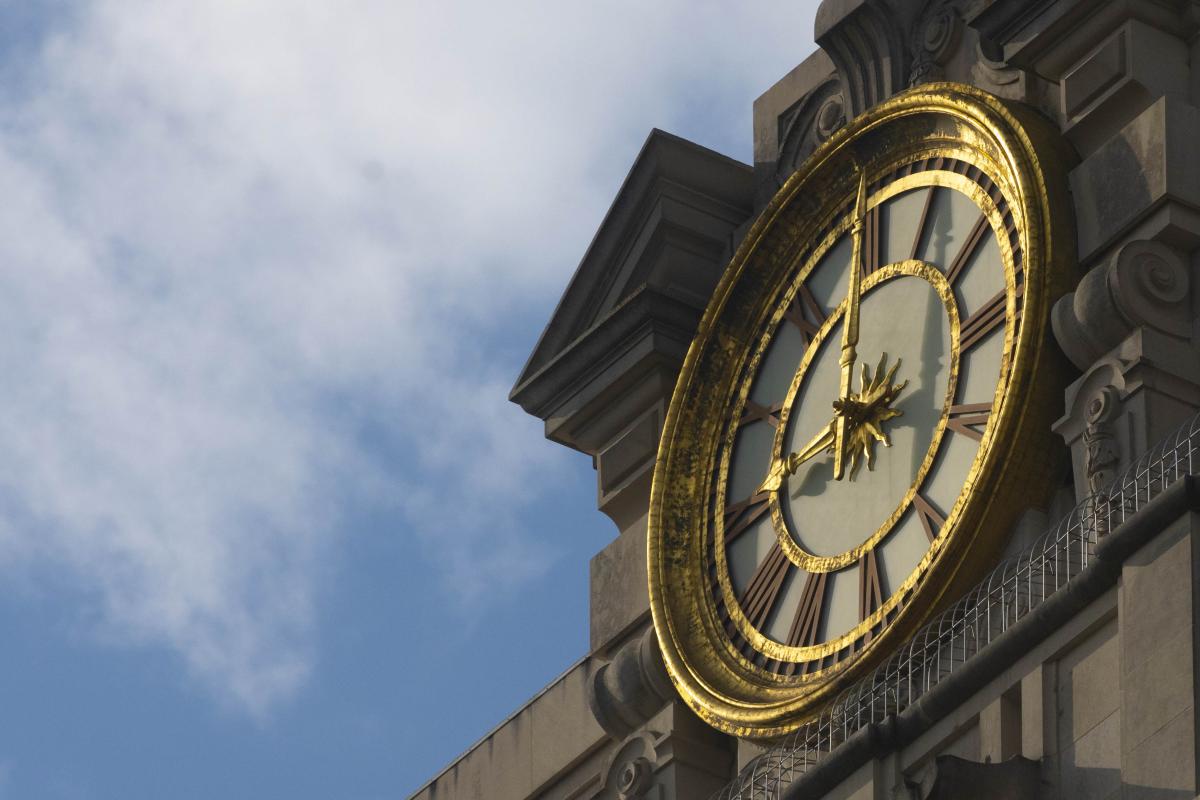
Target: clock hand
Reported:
point(850, 329)
point(784, 467)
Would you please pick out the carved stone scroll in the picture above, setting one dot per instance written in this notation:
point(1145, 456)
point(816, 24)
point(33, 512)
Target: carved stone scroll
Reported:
point(1144, 284)
point(934, 39)
point(631, 688)
point(808, 124)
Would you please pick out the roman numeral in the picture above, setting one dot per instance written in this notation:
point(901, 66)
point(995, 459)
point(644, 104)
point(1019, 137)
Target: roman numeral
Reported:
point(871, 244)
point(969, 246)
point(931, 518)
point(870, 587)
point(983, 321)
point(920, 233)
point(964, 418)
point(759, 597)
point(807, 623)
point(805, 313)
point(753, 412)
point(743, 514)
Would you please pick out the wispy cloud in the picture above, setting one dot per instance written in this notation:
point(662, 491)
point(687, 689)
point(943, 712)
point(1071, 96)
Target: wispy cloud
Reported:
point(253, 262)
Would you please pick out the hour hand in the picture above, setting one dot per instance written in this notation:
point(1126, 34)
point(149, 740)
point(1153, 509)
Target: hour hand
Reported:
point(784, 467)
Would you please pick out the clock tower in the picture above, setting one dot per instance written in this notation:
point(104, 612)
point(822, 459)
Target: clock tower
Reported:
point(897, 427)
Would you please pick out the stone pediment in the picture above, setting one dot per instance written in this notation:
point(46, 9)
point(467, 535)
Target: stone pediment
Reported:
point(635, 299)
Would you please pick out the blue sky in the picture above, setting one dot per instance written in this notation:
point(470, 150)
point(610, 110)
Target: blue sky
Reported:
point(268, 525)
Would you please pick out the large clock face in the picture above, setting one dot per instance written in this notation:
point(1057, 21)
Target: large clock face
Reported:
point(863, 411)
point(809, 565)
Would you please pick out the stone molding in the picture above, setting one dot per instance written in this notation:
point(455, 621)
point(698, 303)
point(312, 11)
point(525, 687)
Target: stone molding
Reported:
point(606, 362)
point(651, 267)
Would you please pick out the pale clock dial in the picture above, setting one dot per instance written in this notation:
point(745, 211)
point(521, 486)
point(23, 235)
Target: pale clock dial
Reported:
point(812, 561)
point(865, 408)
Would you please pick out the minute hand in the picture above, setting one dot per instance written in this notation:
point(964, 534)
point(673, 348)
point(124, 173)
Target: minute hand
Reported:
point(850, 329)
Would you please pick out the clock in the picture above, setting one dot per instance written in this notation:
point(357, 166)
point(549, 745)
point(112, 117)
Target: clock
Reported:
point(865, 408)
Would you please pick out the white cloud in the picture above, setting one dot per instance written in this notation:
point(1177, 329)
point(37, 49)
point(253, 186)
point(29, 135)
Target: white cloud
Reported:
point(244, 241)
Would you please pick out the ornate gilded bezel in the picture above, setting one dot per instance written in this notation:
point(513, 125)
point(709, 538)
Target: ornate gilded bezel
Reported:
point(1024, 162)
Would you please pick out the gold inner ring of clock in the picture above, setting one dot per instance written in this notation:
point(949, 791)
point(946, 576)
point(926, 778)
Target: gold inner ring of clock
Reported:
point(791, 547)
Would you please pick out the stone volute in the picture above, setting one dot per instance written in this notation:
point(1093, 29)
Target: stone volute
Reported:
point(631, 688)
point(1144, 283)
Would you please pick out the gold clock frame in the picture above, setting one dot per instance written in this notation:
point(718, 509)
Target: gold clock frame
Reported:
point(1027, 160)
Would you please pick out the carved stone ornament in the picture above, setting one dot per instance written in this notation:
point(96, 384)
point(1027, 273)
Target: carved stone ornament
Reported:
point(1125, 403)
point(934, 39)
point(633, 777)
point(1145, 283)
point(1103, 450)
point(629, 772)
point(631, 688)
point(811, 121)
point(865, 39)
point(830, 116)
point(992, 73)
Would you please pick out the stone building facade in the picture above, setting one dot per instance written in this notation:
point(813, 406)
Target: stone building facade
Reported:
point(1092, 694)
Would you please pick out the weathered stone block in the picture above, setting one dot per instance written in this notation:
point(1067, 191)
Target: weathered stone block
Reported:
point(1087, 679)
point(1157, 613)
point(859, 786)
point(625, 469)
point(1155, 601)
point(529, 750)
point(620, 598)
point(1125, 73)
point(774, 105)
point(1035, 744)
point(1000, 728)
point(1163, 766)
point(1090, 767)
point(1098, 72)
point(1151, 160)
point(560, 725)
point(498, 767)
point(1162, 689)
point(747, 751)
point(631, 452)
point(966, 745)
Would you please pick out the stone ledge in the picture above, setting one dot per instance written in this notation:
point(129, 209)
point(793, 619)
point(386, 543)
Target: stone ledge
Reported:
point(1149, 162)
point(523, 765)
